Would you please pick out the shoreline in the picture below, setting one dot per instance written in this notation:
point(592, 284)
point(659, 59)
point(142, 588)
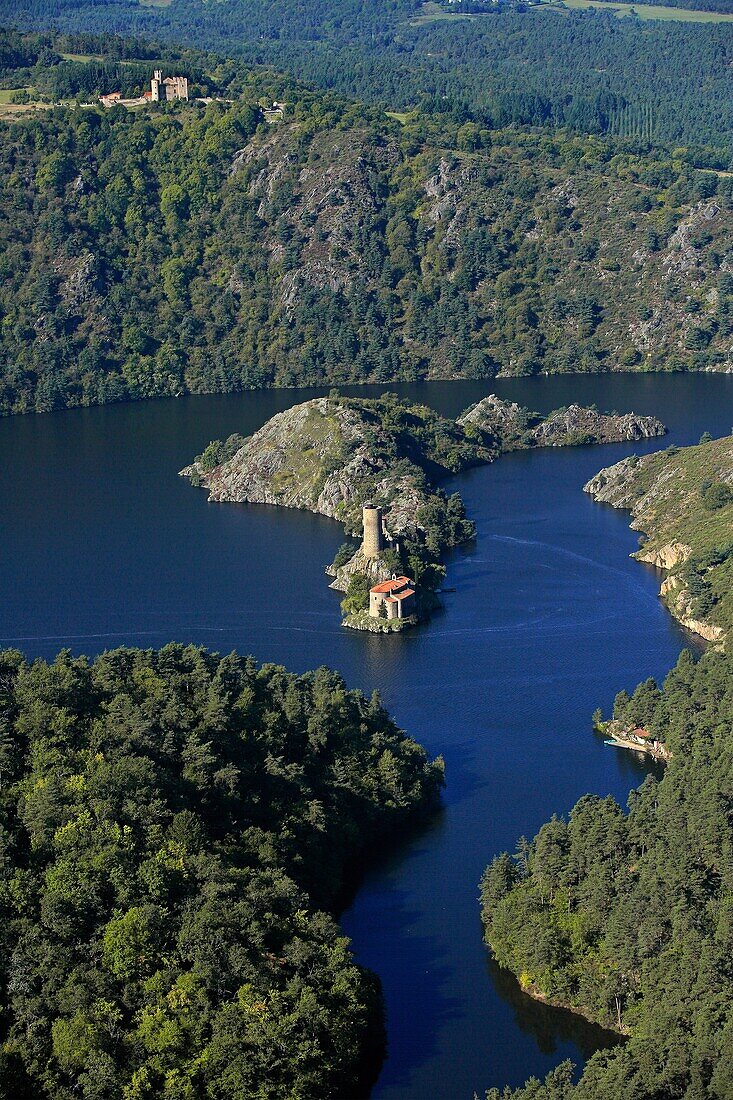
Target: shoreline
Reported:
point(324, 387)
point(662, 755)
point(555, 1002)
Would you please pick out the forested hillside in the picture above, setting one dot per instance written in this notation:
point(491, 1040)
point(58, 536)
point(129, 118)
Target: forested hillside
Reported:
point(172, 823)
point(627, 917)
point(661, 81)
point(197, 248)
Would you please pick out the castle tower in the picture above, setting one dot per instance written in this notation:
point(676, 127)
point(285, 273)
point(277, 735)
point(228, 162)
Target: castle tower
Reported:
point(157, 87)
point(373, 542)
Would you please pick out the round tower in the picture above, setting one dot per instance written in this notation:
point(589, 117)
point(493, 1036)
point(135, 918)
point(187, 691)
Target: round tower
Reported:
point(373, 542)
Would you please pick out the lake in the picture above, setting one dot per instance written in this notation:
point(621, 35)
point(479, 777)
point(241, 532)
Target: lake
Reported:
point(103, 544)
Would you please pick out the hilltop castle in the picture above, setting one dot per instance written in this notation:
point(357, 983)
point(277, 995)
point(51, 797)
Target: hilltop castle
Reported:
point(173, 87)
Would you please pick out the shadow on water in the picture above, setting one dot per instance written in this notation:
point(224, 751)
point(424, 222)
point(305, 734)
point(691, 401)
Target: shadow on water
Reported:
point(395, 920)
point(546, 1024)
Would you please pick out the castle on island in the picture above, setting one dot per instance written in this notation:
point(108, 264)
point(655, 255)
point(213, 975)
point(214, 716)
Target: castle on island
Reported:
point(394, 598)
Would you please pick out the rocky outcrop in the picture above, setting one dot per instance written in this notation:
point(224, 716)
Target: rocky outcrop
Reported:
point(515, 427)
point(373, 569)
point(665, 557)
point(362, 620)
point(505, 421)
point(685, 535)
point(331, 456)
point(676, 596)
point(580, 425)
point(311, 456)
point(615, 485)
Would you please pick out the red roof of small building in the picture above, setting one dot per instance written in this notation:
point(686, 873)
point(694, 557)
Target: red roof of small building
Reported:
point(639, 732)
point(392, 586)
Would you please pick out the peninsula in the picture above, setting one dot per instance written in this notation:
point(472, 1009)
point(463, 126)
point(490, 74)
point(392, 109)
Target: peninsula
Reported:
point(375, 465)
point(682, 501)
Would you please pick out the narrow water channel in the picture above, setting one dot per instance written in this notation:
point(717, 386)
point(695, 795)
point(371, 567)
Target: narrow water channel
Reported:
point(104, 545)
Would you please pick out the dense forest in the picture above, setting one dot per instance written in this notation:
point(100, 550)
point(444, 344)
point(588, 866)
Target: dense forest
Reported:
point(533, 65)
point(172, 826)
point(197, 248)
point(626, 917)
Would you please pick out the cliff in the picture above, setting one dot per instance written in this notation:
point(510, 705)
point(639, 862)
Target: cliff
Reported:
point(516, 428)
point(682, 500)
point(332, 455)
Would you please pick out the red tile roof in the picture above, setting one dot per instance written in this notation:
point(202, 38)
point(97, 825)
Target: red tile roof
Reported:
point(391, 586)
point(639, 732)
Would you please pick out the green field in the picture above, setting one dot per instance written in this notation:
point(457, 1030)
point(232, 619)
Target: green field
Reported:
point(433, 13)
point(399, 116)
point(647, 11)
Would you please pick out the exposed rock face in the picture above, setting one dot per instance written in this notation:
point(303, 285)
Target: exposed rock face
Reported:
point(504, 420)
point(686, 538)
point(515, 427)
point(312, 456)
point(666, 557)
point(677, 598)
point(587, 425)
point(372, 568)
point(616, 485)
point(331, 456)
point(80, 285)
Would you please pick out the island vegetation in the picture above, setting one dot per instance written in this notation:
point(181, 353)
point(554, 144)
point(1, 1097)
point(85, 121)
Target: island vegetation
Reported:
point(176, 832)
point(334, 455)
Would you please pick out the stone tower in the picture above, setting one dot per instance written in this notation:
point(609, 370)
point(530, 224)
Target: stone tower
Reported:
point(373, 542)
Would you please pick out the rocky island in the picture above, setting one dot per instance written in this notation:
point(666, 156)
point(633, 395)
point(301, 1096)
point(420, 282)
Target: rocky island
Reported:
point(682, 501)
point(516, 428)
point(375, 465)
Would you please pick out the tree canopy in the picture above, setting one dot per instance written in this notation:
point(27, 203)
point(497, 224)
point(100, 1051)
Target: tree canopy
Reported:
point(172, 826)
point(627, 916)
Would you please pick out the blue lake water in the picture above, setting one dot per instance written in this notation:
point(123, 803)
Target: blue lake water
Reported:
point(102, 544)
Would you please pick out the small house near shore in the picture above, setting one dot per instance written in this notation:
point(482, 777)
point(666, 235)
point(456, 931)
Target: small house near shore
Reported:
point(394, 599)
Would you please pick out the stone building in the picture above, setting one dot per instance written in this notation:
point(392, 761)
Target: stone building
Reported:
point(397, 596)
point(373, 542)
point(172, 87)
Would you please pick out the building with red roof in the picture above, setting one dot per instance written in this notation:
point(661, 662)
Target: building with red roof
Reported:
point(396, 596)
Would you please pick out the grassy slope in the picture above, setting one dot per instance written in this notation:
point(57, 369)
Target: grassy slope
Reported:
point(664, 494)
point(650, 11)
